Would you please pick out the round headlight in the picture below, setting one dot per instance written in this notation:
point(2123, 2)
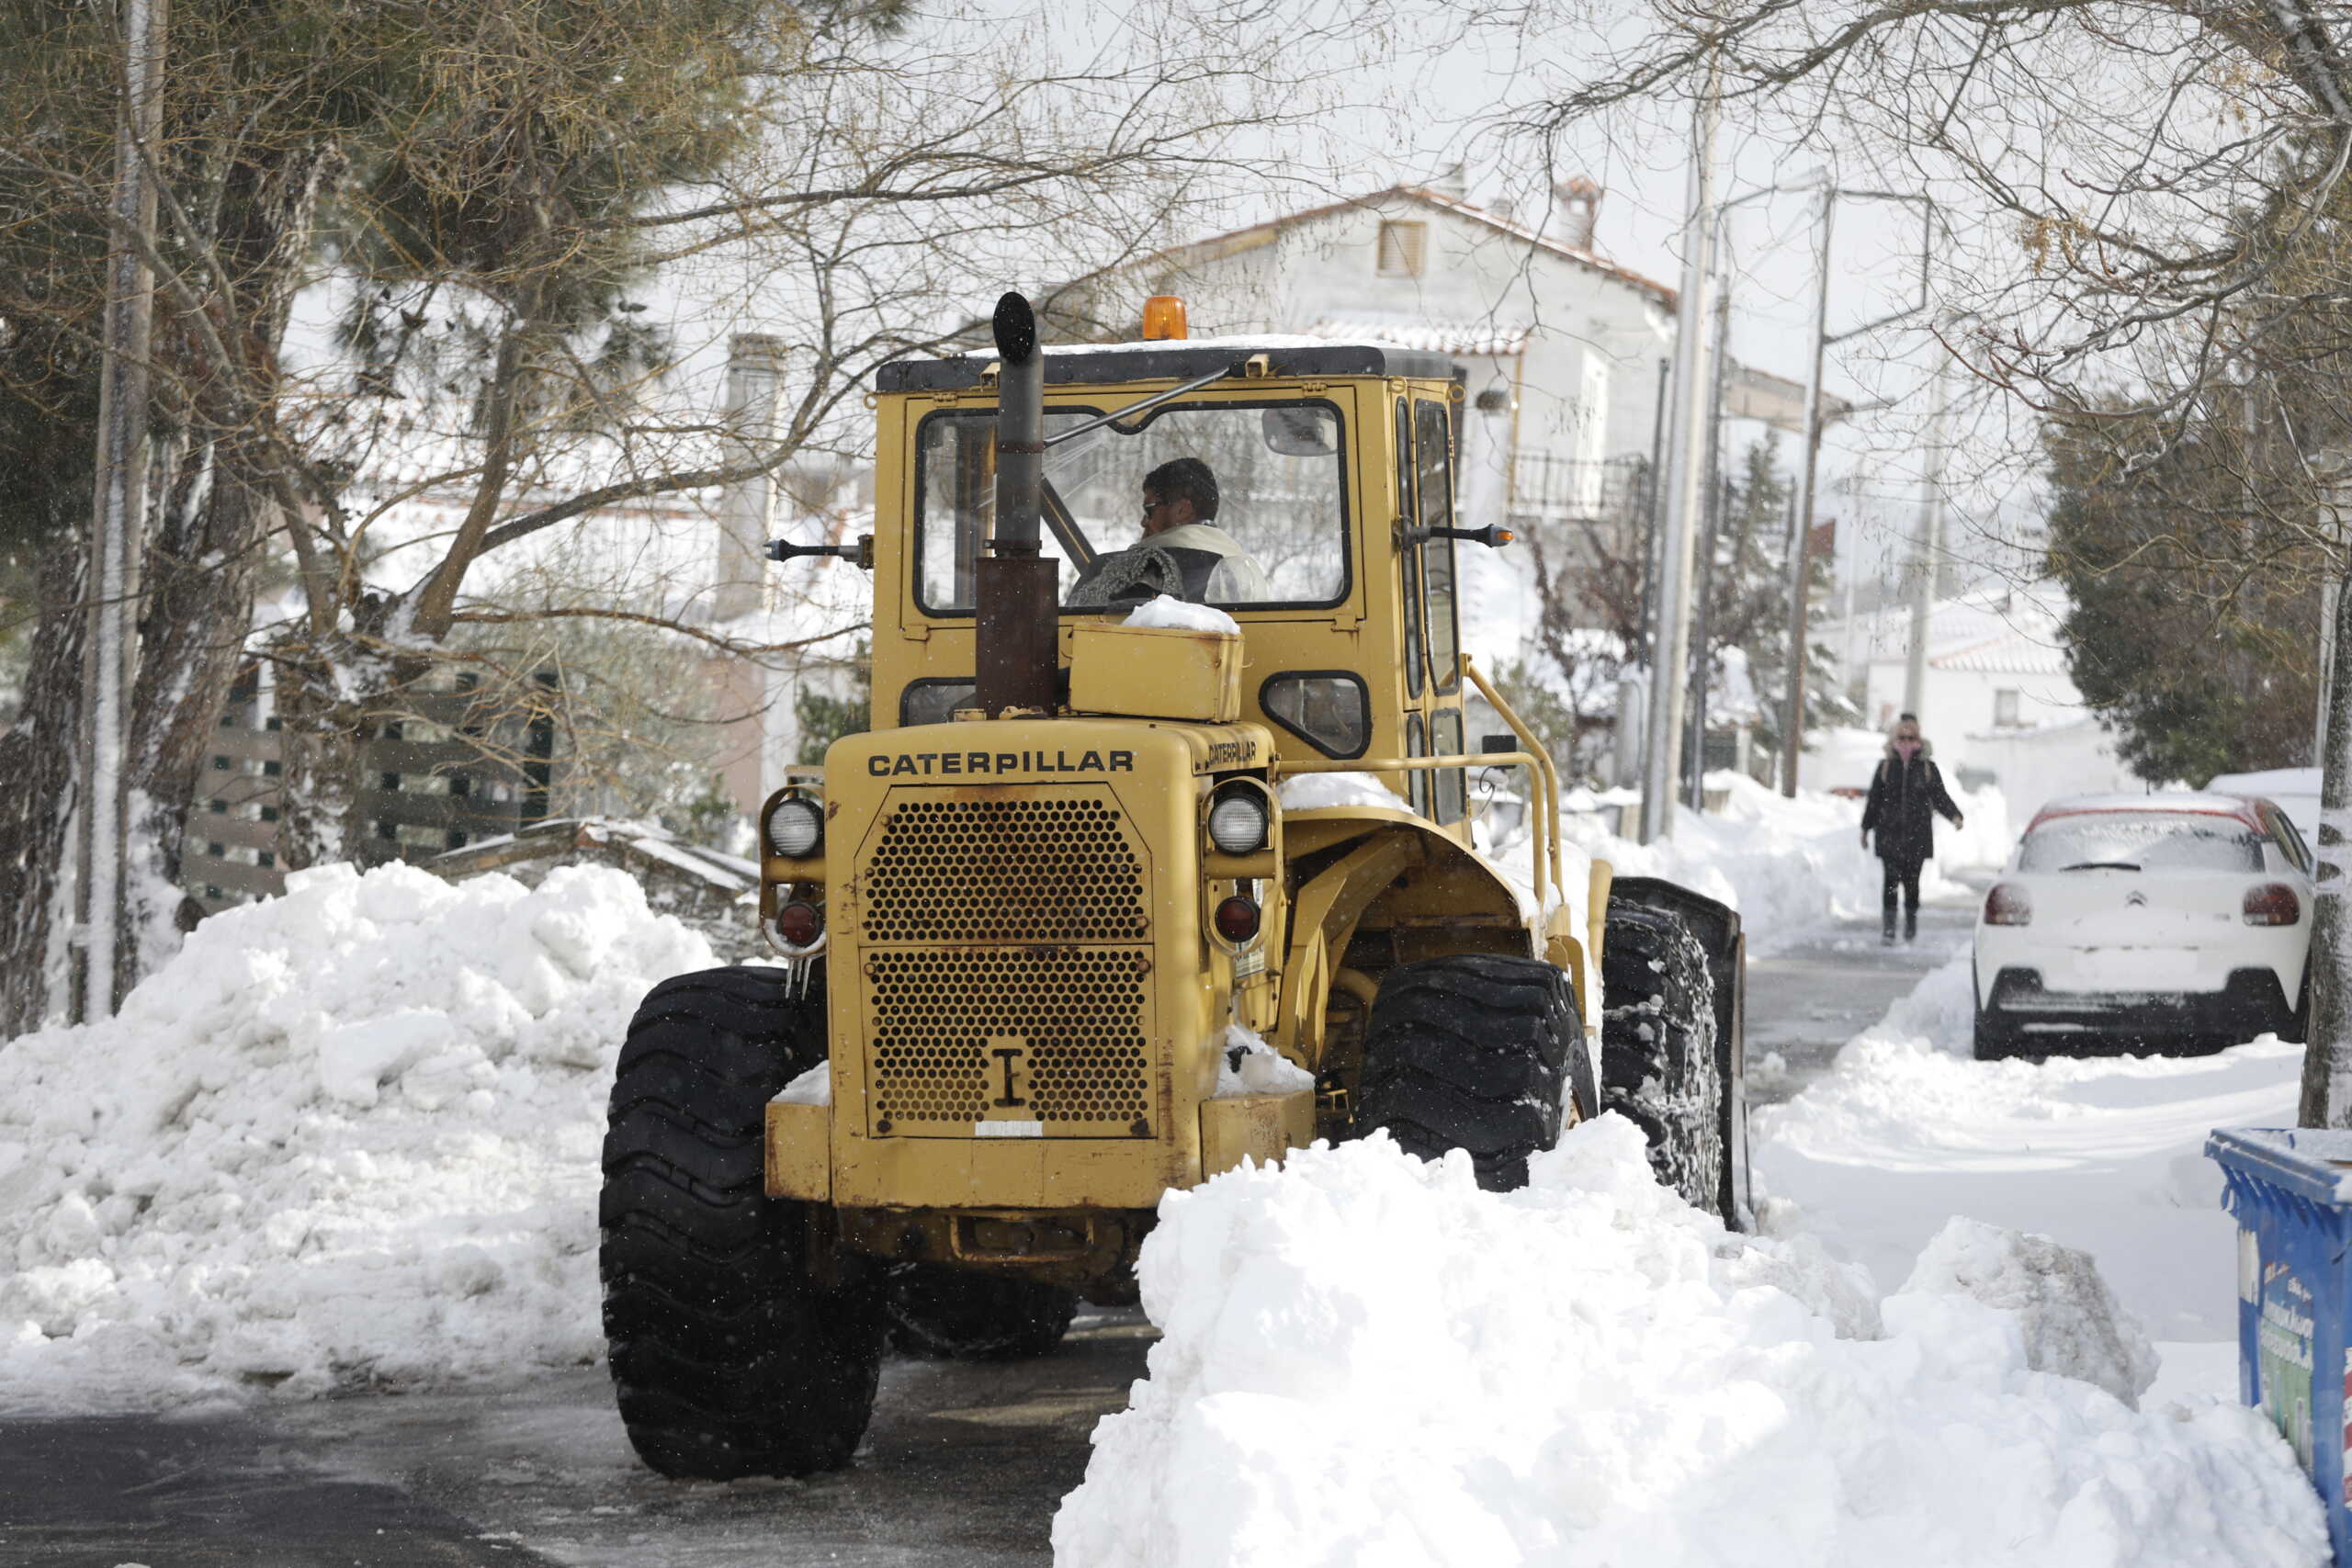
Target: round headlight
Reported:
point(1237, 821)
point(795, 828)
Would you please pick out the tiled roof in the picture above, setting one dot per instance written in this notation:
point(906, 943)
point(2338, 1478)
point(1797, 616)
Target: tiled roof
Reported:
point(1479, 337)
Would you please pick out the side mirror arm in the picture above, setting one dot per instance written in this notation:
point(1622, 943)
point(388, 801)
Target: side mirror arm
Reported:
point(1494, 538)
point(861, 552)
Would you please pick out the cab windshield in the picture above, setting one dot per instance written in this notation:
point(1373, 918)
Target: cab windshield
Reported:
point(1278, 534)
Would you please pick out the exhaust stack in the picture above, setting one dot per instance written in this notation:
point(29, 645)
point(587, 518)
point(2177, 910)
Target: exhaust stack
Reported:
point(1017, 625)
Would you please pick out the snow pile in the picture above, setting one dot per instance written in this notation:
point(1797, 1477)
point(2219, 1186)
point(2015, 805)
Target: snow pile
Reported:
point(1367, 1360)
point(2104, 1154)
point(349, 1134)
point(1250, 1066)
point(2064, 1310)
point(814, 1087)
point(1168, 611)
point(1313, 792)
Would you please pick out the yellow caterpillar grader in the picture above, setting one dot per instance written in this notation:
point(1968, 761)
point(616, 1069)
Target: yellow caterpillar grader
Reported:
point(1110, 899)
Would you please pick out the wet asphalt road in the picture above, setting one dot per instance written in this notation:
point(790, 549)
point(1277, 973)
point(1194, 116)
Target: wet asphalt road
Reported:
point(963, 1465)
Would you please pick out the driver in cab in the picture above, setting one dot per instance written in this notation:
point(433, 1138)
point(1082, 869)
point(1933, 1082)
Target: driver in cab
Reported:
point(1180, 505)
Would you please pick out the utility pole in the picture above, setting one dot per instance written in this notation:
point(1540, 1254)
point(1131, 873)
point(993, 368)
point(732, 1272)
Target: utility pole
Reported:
point(1801, 528)
point(1701, 668)
point(1670, 650)
point(1931, 545)
point(1653, 504)
point(118, 512)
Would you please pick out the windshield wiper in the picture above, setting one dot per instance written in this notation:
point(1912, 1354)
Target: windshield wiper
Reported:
point(1141, 405)
point(2100, 865)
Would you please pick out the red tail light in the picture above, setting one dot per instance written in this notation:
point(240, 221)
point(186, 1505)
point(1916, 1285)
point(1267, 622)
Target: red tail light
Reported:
point(2007, 905)
point(800, 924)
point(2272, 904)
point(1236, 919)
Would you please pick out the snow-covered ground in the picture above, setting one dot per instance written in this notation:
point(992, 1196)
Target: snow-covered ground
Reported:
point(347, 1136)
point(1366, 1360)
point(2103, 1154)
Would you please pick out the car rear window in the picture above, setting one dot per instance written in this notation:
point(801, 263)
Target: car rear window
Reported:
point(2142, 841)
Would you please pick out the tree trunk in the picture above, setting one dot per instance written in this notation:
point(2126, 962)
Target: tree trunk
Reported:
point(37, 758)
point(198, 588)
point(2327, 1058)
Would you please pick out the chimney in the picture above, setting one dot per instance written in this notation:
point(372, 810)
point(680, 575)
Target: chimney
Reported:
point(1577, 201)
point(1453, 182)
point(746, 507)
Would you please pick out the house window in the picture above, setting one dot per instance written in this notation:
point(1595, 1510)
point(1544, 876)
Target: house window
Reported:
point(2004, 708)
point(1403, 246)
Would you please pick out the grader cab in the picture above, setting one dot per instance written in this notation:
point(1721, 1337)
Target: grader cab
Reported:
point(1159, 857)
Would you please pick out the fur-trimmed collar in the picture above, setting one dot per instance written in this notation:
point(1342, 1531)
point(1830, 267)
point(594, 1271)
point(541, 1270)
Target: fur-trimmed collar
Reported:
point(1927, 750)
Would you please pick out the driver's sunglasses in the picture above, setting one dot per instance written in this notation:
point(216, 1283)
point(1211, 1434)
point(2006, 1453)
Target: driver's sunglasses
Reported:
point(1151, 506)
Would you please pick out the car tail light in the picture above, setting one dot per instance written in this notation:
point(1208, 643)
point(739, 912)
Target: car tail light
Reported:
point(1236, 919)
point(2272, 904)
point(800, 924)
point(2007, 905)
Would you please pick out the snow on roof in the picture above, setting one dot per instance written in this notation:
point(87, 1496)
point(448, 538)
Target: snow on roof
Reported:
point(1993, 629)
point(1428, 335)
point(2199, 801)
point(2011, 651)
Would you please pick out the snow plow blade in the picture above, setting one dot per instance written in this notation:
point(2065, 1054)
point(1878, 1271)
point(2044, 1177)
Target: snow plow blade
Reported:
point(1718, 930)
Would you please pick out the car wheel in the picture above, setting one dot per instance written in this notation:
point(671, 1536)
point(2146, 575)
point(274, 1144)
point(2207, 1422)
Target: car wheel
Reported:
point(1992, 1042)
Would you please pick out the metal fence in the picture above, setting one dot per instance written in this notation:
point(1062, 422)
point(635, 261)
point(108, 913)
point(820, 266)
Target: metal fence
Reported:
point(1559, 490)
point(457, 766)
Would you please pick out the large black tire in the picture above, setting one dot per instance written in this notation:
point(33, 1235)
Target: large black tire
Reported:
point(966, 1315)
point(1477, 1052)
point(729, 1358)
point(1657, 1047)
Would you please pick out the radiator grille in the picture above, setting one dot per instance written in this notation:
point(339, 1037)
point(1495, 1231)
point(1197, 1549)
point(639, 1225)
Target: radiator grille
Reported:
point(1055, 869)
point(1079, 1011)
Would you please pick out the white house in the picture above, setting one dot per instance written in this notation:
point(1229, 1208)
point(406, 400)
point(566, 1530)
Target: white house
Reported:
point(1998, 702)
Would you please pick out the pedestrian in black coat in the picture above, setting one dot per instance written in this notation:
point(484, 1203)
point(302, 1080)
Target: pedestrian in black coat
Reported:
point(1906, 793)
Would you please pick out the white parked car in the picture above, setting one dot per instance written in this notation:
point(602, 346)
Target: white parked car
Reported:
point(2153, 922)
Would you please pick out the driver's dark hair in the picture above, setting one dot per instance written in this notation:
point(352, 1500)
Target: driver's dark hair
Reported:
point(1185, 479)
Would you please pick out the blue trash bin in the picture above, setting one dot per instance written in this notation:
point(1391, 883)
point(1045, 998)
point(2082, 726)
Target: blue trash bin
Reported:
point(2290, 1191)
